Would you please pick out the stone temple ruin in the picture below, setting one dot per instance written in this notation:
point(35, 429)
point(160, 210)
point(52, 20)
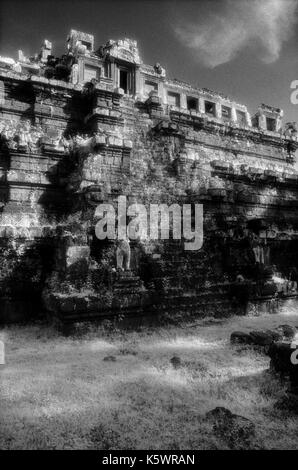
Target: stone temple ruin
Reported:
point(81, 130)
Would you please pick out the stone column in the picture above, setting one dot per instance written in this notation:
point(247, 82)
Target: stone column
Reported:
point(278, 123)
point(160, 91)
point(218, 114)
point(139, 83)
point(262, 121)
point(234, 114)
point(114, 74)
point(183, 102)
point(248, 119)
point(201, 105)
point(81, 70)
point(2, 93)
point(165, 96)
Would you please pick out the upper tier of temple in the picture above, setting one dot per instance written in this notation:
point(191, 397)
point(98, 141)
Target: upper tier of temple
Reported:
point(117, 65)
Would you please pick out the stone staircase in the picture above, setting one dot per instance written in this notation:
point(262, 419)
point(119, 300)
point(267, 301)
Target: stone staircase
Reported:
point(129, 294)
point(127, 281)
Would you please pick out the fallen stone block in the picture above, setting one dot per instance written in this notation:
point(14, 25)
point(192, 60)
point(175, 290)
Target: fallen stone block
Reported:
point(176, 362)
point(287, 331)
point(261, 338)
point(109, 359)
point(275, 334)
point(236, 430)
point(282, 360)
point(240, 337)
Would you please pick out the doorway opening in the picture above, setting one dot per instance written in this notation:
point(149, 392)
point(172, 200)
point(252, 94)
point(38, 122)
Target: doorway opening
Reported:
point(123, 80)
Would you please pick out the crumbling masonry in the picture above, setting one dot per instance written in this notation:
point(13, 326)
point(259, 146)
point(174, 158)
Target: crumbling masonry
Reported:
point(84, 128)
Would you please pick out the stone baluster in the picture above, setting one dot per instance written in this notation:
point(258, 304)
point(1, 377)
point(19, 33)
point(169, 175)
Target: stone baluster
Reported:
point(262, 121)
point(201, 105)
point(234, 114)
point(218, 113)
point(248, 118)
point(160, 92)
point(2, 93)
point(183, 102)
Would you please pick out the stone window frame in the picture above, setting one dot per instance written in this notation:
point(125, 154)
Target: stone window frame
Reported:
point(228, 109)
point(94, 67)
point(2, 92)
point(194, 99)
point(241, 116)
point(88, 44)
point(270, 123)
point(212, 111)
point(131, 80)
point(176, 95)
point(150, 82)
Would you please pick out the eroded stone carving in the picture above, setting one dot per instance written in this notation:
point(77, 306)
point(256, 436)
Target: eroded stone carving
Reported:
point(290, 129)
point(126, 49)
point(26, 137)
point(123, 255)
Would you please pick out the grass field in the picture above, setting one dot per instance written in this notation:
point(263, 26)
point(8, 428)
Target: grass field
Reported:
point(119, 389)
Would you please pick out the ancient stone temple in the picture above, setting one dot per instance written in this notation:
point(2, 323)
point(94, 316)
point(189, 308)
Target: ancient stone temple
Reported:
point(94, 124)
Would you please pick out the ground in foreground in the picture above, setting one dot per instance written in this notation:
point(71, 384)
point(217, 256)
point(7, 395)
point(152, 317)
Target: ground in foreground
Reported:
point(120, 390)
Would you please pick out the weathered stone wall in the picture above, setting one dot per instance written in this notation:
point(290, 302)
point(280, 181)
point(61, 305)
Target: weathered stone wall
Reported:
point(65, 148)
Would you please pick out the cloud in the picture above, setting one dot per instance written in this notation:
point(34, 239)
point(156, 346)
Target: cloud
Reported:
point(262, 24)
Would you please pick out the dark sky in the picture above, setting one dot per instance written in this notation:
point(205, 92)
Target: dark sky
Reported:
point(231, 46)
